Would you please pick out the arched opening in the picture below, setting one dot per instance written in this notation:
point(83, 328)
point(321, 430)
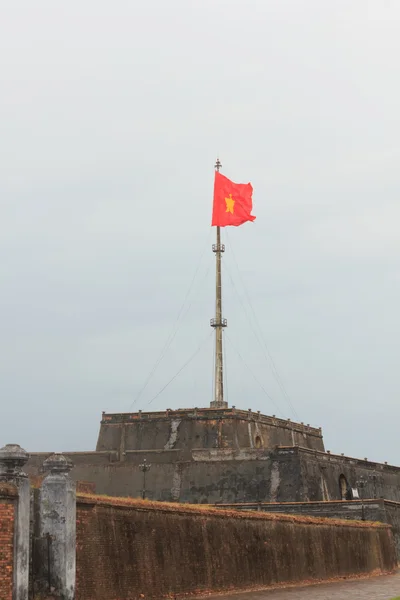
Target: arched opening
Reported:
point(258, 442)
point(345, 490)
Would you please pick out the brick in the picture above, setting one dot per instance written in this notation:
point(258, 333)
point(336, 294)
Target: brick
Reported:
point(7, 513)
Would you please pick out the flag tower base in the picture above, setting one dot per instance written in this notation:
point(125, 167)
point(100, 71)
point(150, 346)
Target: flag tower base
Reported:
point(218, 404)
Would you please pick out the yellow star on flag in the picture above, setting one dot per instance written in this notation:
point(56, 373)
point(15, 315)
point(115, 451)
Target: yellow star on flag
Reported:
point(230, 203)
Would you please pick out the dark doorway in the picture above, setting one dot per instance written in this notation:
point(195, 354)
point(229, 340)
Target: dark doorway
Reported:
point(344, 488)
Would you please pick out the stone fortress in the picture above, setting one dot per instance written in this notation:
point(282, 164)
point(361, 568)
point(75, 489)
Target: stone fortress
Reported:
point(102, 542)
point(222, 455)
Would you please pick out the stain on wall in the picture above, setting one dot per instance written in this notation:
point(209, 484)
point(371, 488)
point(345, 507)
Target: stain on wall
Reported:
point(173, 434)
point(275, 480)
point(176, 483)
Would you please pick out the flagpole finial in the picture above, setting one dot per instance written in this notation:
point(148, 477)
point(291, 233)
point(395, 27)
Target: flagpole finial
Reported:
point(217, 165)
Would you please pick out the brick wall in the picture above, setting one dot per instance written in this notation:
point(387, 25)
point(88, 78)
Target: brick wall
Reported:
point(8, 495)
point(385, 511)
point(130, 549)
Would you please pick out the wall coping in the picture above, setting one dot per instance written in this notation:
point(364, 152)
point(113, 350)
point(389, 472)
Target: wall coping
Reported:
point(391, 502)
point(326, 456)
point(312, 502)
point(341, 457)
point(73, 453)
point(154, 451)
point(204, 510)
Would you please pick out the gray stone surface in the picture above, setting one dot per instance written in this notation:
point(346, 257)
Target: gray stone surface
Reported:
point(202, 428)
point(57, 524)
point(12, 460)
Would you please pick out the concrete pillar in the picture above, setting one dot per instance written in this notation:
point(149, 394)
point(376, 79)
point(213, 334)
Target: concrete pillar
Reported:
point(12, 460)
point(57, 525)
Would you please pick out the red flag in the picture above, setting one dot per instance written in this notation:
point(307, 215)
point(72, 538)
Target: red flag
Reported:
point(232, 202)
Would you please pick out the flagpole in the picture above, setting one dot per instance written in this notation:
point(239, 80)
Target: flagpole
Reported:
point(218, 323)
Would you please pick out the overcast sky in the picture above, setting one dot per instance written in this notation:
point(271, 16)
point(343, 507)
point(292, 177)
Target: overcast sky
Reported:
point(111, 117)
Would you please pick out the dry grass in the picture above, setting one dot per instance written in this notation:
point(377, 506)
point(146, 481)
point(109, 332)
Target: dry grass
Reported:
point(207, 510)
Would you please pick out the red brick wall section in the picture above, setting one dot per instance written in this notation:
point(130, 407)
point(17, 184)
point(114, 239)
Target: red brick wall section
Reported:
point(129, 549)
point(8, 495)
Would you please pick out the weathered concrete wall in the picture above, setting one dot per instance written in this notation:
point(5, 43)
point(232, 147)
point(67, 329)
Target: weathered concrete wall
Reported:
point(321, 472)
point(188, 429)
point(392, 516)
point(227, 475)
point(211, 476)
point(128, 548)
point(8, 501)
point(36, 459)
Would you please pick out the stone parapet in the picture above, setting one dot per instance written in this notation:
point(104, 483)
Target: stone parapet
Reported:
point(209, 414)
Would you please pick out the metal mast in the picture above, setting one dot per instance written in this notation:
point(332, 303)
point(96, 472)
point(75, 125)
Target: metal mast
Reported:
point(218, 323)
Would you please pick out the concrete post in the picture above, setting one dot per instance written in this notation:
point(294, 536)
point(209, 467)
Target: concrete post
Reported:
point(12, 460)
point(57, 525)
